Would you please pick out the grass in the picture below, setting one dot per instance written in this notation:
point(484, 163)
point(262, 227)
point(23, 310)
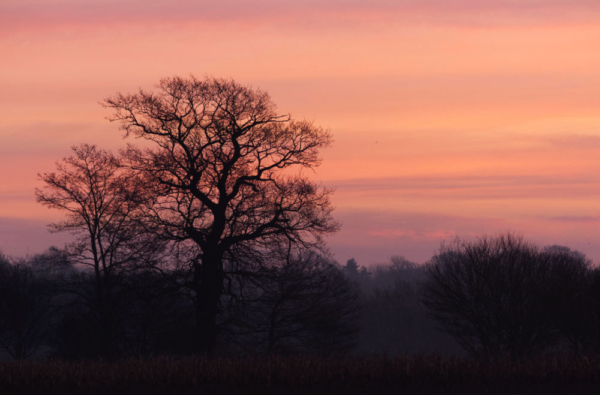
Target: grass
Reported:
point(304, 375)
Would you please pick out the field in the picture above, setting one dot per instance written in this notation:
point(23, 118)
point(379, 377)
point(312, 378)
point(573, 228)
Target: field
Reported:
point(304, 375)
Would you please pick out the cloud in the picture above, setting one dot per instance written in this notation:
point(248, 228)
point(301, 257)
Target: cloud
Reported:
point(53, 139)
point(583, 142)
point(372, 236)
point(466, 181)
point(17, 14)
point(471, 187)
point(393, 233)
point(21, 237)
point(577, 219)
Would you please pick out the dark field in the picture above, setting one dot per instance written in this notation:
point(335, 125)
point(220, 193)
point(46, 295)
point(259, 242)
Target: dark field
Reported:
point(304, 375)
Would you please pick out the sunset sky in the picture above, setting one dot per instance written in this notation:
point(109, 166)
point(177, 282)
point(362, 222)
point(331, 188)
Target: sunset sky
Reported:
point(450, 118)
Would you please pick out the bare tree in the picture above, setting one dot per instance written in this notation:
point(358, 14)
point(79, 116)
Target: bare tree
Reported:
point(502, 295)
point(223, 174)
point(100, 201)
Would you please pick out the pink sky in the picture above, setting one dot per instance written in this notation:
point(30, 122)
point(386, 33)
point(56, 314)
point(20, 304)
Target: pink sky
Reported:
point(450, 118)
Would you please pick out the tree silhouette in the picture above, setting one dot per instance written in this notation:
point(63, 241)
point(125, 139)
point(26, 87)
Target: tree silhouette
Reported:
point(502, 295)
point(100, 200)
point(24, 311)
point(222, 173)
point(351, 268)
point(301, 303)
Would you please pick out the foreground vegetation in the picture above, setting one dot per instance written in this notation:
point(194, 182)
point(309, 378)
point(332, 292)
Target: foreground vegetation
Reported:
point(300, 375)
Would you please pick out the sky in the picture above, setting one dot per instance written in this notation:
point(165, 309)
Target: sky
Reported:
point(452, 118)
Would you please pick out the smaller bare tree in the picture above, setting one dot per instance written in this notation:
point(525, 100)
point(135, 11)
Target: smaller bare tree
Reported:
point(100, 200)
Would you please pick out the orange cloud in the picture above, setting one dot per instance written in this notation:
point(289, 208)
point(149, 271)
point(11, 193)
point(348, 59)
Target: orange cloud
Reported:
point(26, 14)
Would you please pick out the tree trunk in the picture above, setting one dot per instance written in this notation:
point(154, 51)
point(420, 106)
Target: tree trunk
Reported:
point(209, 281)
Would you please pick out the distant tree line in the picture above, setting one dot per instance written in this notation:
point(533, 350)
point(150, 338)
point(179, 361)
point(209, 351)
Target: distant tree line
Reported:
point(488, 298)
point(49, 308)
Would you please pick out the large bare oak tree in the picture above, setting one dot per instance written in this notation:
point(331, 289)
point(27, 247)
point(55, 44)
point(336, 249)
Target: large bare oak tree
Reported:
point(223, 171)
